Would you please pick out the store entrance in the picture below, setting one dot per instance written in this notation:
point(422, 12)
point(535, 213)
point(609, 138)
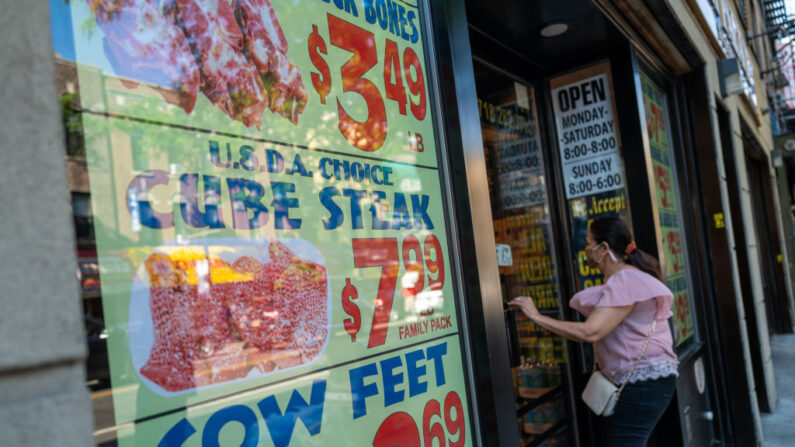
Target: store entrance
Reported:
point(516, 49)
point(526, 57)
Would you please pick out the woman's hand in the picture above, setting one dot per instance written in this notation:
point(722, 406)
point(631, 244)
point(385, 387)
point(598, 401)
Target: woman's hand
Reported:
point(527, 305)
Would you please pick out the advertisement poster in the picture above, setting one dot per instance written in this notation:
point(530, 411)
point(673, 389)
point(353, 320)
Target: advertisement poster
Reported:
point(587, 135)
point(666, 196)
point(589, 143)
point(267, 172)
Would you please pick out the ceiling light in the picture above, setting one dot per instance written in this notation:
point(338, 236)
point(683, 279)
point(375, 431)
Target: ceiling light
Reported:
point(554, 29)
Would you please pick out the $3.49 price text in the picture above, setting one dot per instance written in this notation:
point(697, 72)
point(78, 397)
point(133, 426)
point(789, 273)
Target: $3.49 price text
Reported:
point(401, 71)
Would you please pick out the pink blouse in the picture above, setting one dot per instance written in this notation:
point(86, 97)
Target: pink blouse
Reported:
point(617, 352)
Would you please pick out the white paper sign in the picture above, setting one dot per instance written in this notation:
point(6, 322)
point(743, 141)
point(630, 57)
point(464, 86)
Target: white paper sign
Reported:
point(504, 257)
point(587, 137)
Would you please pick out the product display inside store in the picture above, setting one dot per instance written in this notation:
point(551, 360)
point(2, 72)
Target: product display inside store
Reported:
point(522, 231)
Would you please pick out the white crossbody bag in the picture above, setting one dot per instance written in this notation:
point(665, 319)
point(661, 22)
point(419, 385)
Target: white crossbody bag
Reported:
point(600, 394)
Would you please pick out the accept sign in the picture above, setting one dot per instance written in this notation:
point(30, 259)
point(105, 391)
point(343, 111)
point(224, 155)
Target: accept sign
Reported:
point(270, 172)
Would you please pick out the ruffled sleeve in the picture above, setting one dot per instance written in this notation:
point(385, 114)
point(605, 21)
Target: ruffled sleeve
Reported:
point(625, 288)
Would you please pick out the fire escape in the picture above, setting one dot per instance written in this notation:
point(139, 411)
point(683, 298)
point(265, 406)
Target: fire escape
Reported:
point(780, 78)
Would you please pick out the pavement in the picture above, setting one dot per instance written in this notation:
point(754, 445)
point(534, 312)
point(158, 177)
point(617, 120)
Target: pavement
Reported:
point(779, 427)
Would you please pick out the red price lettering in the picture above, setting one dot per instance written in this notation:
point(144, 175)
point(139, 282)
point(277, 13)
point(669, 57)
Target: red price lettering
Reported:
point(399, 429)
point(370, 134)
point(413, 267)
point(379, 253)
point(435, 264)
point(384, 253)
point(455, 425)
point(431, 431)
point(416, 85)
point(394, 91)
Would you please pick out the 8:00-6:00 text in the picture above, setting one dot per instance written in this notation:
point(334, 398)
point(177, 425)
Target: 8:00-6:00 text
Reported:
point(601, 183)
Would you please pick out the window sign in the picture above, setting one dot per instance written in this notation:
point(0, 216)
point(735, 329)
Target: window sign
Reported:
point(519, 172)
point(666, 197)
point(587, 137)
point(268, 173)
point(589, 145)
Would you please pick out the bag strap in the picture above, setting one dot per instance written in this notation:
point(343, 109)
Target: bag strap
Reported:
point(642, 351)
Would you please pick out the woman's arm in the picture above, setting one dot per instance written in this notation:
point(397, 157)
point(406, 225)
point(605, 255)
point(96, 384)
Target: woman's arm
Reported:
point(601, 322)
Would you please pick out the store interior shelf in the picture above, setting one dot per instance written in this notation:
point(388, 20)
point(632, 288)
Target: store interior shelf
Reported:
point(538, 439)
point(528, 404)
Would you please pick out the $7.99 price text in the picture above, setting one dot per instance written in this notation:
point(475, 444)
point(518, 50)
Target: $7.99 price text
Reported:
point(416, 258)
point(370, 134)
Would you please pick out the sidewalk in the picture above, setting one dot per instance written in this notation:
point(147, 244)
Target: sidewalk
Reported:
point(779, 427)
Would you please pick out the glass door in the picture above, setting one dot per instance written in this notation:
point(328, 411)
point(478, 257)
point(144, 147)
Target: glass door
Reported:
point(524, 236)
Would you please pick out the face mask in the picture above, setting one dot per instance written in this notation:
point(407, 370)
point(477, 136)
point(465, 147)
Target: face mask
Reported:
point(593, 263)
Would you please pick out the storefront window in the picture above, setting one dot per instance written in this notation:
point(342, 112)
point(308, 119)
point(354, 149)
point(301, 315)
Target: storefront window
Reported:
point(262, 233)
point(673, 256)
point(524, 237)
point(589, 144)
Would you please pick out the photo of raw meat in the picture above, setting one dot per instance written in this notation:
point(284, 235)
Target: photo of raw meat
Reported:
point(213, 320)
point(266, 46)
point(228, 80)
point(236, 55)
point(141, 44)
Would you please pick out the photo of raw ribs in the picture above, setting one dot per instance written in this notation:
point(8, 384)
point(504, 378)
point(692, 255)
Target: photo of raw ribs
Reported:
point(236, 55)
point(266, 47)
point(213, 321)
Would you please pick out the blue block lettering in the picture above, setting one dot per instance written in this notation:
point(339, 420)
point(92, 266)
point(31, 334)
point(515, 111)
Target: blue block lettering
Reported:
point(298, 166)
point(178, 434)
point(248, 160)
point(282, 204)
point(235, 413)
point(281, 425)
point(400, 213)
point(275, 161)
point(138, 197)
point(247, 196)
point(215, 157)
point(189, 206)
point(436, 353)
point(359, 391)
point(326, 198)
point(392, 380)
point(356, 197)
point(415, 373)
point(419, 207)
point(377, 210)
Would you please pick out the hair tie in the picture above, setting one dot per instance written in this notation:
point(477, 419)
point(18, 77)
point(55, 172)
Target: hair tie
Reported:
point(630, 248)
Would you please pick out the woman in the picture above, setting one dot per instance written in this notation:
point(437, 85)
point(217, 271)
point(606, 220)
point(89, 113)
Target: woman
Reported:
point(619, 317)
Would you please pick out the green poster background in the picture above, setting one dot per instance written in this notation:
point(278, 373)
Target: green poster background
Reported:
point(667, 199)
point(338, 425)
point(144, 152)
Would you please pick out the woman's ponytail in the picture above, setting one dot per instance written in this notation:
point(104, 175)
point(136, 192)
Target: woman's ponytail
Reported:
point(644, 262)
